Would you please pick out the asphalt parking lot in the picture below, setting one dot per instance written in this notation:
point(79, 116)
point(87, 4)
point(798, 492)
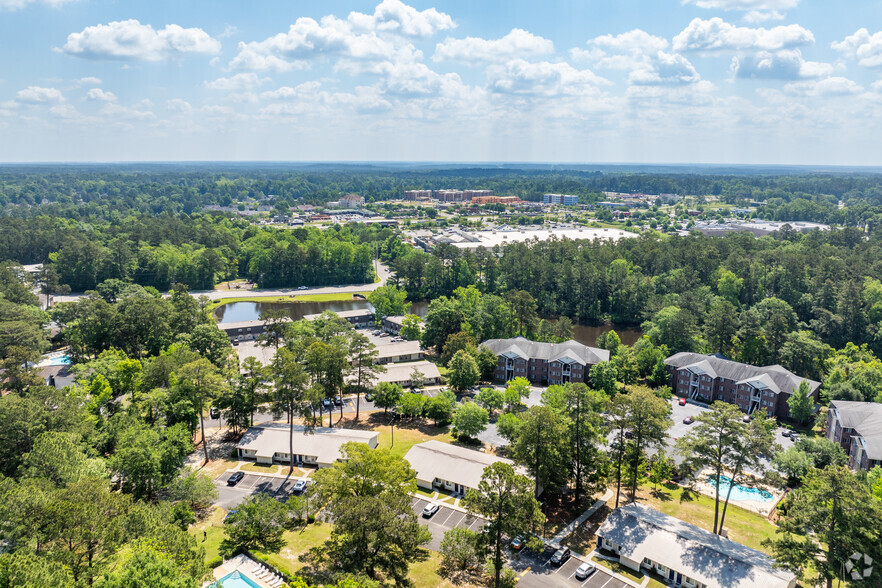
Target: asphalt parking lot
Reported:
point(534, 570)
point(230, 496)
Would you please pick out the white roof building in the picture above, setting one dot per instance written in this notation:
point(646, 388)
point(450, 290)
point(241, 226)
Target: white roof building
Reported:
point(319, 446)
point(399, 373)
point(686, 555)
point(453, 468)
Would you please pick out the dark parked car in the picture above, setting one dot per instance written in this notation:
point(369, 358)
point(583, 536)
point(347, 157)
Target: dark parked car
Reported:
point(235, 478)
point(369, 397)
point(430, 510)
point(560, 556)
point(629, 434)
point(214, 412)
point(786, 433)
point(688, 420)
point(338, 401)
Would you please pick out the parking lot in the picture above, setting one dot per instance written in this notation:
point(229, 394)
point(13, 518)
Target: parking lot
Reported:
point(230, 496)
point(534, 570)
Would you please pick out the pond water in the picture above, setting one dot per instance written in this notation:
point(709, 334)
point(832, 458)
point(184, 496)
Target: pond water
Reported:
point(249, 311)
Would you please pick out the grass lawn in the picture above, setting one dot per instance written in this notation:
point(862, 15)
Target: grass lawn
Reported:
point(744, 526)
point(261, 468)
point(407, 433)
point(296, 543)
point(334, 297)
point(214, 532)
point(216, 467)
point(424, 574)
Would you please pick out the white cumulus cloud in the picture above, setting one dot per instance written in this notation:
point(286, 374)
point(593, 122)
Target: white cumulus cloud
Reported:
point(518, 43)
point(863, 47)
point(88, 81)
point(716, 34)
point(236, 83)
point(835, 86)
point(396, 16)
point(780, 65)
point(131, 40)
point(643, 55)
point(541, 79)
point(39, 95)
point(99, 95)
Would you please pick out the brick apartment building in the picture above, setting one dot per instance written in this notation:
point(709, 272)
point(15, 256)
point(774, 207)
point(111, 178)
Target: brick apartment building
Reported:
point(708, 378)
point(544, 363)
point(857, 427)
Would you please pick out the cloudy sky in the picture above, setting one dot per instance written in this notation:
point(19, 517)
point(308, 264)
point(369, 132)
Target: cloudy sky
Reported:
point(655, 81)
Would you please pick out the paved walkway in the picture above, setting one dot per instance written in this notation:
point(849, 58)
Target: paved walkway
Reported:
point(582, 518)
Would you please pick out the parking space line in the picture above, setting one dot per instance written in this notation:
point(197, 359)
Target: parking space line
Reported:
point(448, 517)
point(608, 581)
point(459, 520)
point(525, 572)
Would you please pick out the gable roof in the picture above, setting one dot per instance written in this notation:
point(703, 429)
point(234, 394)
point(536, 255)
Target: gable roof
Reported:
point(773, 377)
point(434, 459)
point(322, 442)
point(641, 532)
point(866, 419)
point(526, 349)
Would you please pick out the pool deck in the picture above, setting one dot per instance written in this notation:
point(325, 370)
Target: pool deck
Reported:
point(764, 508)
point(243, 564)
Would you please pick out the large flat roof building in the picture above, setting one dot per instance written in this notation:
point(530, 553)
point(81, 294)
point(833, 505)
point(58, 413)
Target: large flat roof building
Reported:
point(686, 555)
point(857, 427)
point(399, 373)
point(541, 363)
point(319, 446)
point(708, 378)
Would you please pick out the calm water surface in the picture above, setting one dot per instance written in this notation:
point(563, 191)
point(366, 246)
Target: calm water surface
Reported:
point(250, 311)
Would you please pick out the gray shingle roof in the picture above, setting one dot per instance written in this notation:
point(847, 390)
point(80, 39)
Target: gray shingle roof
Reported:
point(434, 459)
point(866, 419)
point(774, 377)
point(548, 351)
point(704, 556)
point(321, 442)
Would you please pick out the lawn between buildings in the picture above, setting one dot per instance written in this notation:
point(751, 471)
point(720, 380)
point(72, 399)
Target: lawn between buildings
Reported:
point(288, 298)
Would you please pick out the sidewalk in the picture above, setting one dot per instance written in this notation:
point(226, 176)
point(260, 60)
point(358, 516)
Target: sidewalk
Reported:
point(582, 518)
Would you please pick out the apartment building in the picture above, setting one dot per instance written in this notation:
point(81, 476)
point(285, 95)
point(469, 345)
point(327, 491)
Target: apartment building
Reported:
point(565, 199)
point(857, 427)
point(544, 363)
point(708, 378)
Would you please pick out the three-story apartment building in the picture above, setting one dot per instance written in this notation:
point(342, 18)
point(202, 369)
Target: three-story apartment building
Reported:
point(544, 363)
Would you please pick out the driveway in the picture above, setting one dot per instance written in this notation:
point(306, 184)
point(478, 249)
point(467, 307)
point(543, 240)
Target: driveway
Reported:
point(229, 497)
point(534, 570)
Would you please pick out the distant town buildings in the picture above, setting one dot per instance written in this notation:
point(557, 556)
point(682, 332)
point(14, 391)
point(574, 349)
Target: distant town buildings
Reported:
point(645, 539)
point(757, 227)
point(857, 427)
point(417, 194)
point(565, 199)
point(543, 363)
point(506, 234)
point(352, 200)
point(708, 378)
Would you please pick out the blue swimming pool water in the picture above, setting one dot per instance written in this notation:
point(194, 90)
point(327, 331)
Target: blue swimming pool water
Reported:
point(740, 492)
point(235, 580)
point(63, 360)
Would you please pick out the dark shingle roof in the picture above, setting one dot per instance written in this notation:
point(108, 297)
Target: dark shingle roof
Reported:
point(548, 351)
point(866, 419)
point(774, 377)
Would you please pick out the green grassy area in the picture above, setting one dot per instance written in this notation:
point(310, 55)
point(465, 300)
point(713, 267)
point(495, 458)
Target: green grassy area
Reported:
point(744, 526)
point(405, 438)
point(333, 297)
point(619, 569)
point(214, 532)
point(424, 574)
point(296, 543)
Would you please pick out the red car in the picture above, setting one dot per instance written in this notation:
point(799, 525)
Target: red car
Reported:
point(682, 402)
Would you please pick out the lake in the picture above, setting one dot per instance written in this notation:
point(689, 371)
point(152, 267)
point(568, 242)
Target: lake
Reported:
point(249, 311)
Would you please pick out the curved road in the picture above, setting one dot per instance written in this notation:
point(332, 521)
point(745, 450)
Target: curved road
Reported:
point(382, 271)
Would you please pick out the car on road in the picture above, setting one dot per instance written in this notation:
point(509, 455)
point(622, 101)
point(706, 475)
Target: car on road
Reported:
point(338, 401)
point(794, 437)
point(369, 396)
point(517, 543)
point(235, 478)
point(326, 403)
point(302, 288)
point(786, 433)
point(585, 570)
point(560, 556)
point(214, 412)
point(299, 486)
point(430, 510)
point(682, 402)
point(629, 434)
point(688, 420)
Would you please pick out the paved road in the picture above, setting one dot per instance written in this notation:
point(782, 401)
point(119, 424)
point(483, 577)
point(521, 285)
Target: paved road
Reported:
point(534, 570)
point(230, 496)
point(382, 271)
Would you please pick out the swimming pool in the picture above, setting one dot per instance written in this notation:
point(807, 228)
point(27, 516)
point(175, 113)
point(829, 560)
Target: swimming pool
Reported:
point(740, 492)
point(63, 360)
point(235, 580)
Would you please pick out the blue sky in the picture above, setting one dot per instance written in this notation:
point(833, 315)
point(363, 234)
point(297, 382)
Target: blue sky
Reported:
point(654, 81)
